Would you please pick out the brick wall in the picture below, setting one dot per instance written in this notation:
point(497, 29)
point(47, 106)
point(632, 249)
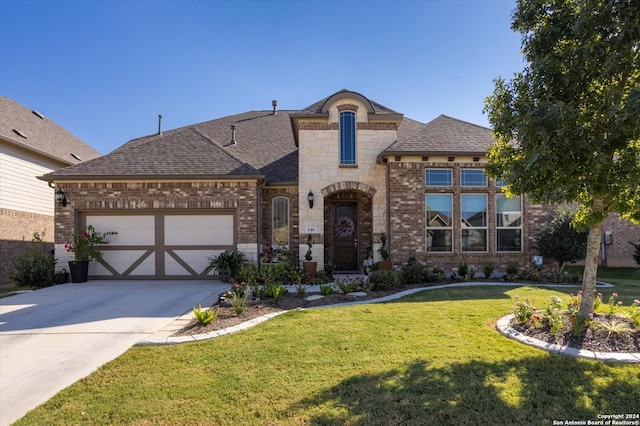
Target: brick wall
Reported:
point(16, 232)
point(407, 236)
point(153, 196)
point(619, 252)
point(268, 194)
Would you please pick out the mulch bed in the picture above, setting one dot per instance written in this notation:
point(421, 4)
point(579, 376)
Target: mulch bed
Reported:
point(594, 338)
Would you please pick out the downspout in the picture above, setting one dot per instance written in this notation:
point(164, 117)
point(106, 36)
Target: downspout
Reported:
point(259, 222)
point(388, 208)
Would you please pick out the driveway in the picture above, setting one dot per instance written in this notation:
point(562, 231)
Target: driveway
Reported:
point(50, 338)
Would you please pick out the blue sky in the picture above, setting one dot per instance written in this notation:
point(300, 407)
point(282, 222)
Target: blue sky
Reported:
point(104, 70)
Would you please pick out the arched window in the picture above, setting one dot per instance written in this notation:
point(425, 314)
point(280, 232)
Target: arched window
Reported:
point(347, 137)
point(280, 211)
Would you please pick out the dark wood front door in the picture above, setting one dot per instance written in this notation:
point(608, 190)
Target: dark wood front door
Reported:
point(345, 236)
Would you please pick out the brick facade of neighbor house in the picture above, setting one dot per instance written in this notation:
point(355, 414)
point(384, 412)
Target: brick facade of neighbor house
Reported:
point(17, 229)
point(618, 250)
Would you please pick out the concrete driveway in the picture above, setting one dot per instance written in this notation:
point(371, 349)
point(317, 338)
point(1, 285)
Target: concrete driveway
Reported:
point(50, 338)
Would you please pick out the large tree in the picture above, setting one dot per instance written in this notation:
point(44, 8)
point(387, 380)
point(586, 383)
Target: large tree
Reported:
point(568, 126)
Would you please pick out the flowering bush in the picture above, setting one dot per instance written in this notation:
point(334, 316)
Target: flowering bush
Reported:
point(523, 310)
point(553, 315)
point(84, 244)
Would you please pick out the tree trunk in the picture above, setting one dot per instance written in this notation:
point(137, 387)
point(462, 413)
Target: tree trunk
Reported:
point(590, 270)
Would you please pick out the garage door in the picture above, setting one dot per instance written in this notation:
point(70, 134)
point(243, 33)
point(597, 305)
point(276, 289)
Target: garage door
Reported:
point(161, 245)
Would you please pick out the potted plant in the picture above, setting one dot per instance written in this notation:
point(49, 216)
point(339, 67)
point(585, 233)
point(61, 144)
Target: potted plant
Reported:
point(62, 276)
point(384, 254)
point(309, 266)
point(227, 263)
point(84, 249)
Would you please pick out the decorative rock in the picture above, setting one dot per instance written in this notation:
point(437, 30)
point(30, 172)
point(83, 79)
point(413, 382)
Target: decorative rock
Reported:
point(314, 297)
point(357, 293)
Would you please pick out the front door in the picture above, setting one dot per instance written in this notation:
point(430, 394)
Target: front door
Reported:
point(345, 236)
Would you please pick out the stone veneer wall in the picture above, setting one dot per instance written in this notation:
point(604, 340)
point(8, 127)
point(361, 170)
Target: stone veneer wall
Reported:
point(407, 219)
point(240, 196)
point(16, 232)
point(320, 167)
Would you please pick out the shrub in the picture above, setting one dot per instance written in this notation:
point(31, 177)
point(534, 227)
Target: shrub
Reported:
point(553, 316)
point(33, 268)
point(512, 269)
point(327, 289)
point(635, 313)
point(383, 280)
point(488, 270)
point(249, 274)
point(301, 289)
point(349, 285)
point(413, 272)
point(239, 303)
point(206, 316)
point(523, 310)
point(561, 241)
point(277, 292)
point(438, 273)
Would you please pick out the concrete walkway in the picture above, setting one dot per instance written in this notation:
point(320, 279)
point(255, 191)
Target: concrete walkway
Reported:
point(52, 337)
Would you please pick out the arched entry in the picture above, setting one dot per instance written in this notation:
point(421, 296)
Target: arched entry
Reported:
point(348, 224)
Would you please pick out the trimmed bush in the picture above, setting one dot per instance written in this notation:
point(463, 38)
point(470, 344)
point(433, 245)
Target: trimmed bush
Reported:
point(34, 268)
point(383, 280)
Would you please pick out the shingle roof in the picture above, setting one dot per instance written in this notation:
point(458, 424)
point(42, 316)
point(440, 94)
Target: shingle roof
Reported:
point(31, 130)
point(184, 152)
point(316, 107)
point(265, 147)
point(444, 135)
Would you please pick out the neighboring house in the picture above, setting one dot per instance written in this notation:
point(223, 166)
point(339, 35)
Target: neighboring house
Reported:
point(343, 170)
point(30, 145)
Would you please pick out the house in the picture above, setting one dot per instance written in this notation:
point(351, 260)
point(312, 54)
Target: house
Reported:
point(30, 145)
point(344, 171)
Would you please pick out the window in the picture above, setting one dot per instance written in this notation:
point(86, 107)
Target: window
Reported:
point(347, 137)
point(508, 223)
point(438, 177)
point(473, 211)
point(281, 223)
point(500, 183)
point(473, 177)
point(439, 222)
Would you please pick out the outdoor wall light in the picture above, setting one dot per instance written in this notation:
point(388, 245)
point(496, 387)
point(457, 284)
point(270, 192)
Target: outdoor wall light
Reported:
point(310, 199)
point(62, 199)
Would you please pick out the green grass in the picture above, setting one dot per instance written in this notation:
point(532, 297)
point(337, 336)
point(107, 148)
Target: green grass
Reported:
point(431, 358)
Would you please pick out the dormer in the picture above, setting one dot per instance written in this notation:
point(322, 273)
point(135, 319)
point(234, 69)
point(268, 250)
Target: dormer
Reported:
point(352, 107)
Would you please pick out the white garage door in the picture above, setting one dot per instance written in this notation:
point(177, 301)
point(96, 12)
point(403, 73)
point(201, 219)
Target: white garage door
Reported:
point(161, 245)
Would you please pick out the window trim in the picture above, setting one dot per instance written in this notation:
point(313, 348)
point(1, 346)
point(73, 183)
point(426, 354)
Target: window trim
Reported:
point(438, 169)
point(484, 228)
point(519, 227)
point(343, 161)
point(462, 183)
point(450, 228)
point(288, 218)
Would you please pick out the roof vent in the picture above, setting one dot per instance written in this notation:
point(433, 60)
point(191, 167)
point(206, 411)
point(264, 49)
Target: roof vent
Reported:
point(274, 104)
point(159, 124)
point(76, 157)
point(19, 133)
point(37, 114)
point(233, 135)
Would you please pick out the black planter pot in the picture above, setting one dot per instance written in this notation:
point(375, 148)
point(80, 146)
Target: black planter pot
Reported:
point(79, 271)
point(62, 277)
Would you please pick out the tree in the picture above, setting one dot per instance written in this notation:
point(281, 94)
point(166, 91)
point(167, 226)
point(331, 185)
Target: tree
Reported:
point(561, 241)
point(567, 127)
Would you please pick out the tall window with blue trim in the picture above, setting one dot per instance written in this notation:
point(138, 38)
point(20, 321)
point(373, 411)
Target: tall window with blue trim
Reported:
point(347, 138)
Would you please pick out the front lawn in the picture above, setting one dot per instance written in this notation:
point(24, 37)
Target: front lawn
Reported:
point(431, 358)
